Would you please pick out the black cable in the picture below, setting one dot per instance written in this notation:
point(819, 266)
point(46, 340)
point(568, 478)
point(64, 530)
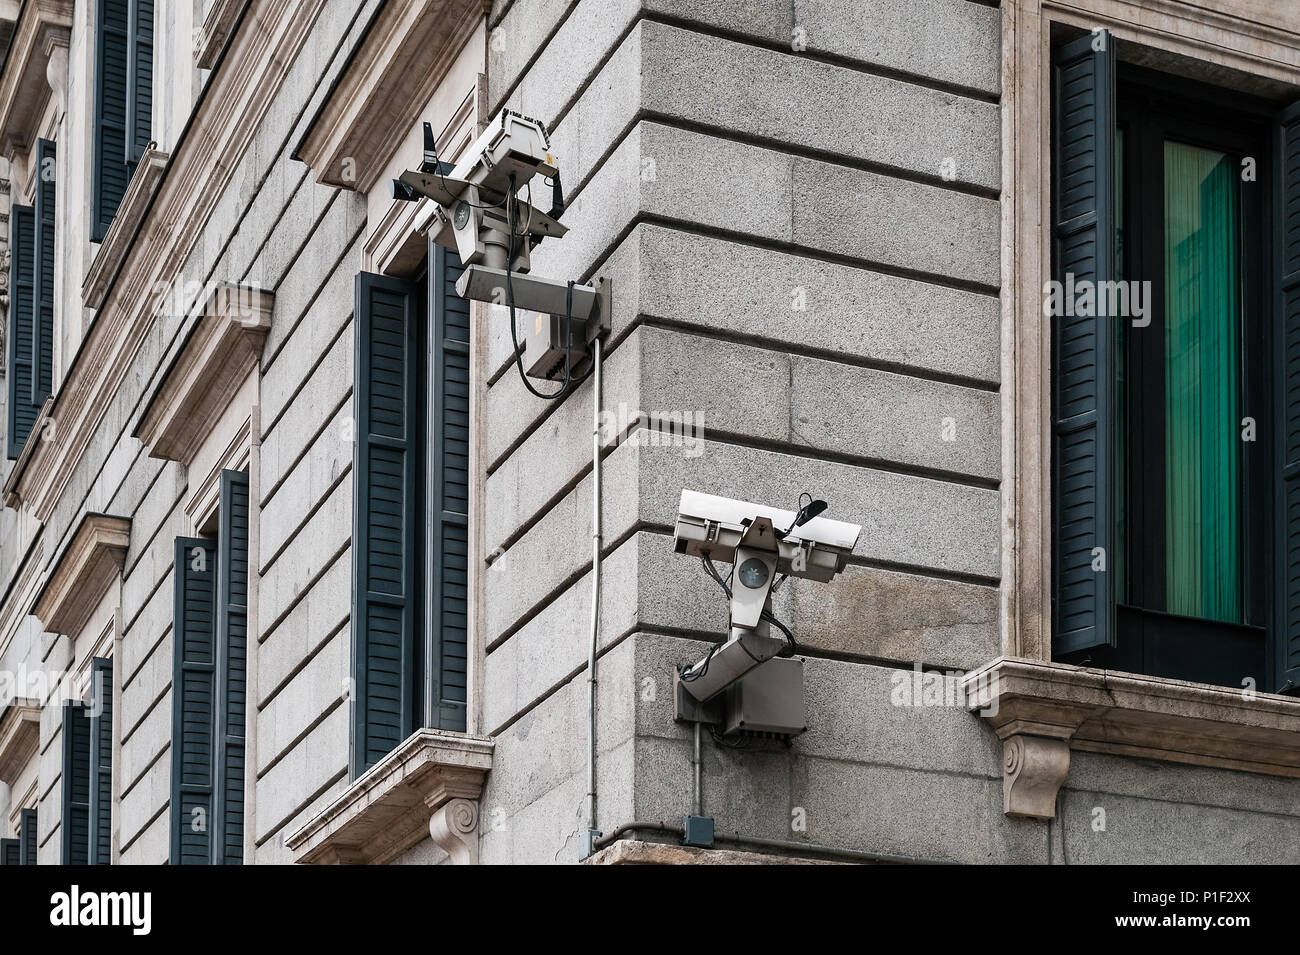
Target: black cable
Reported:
point(791, 646)
point(437, 167)
point(569, 381)
point(713, 572)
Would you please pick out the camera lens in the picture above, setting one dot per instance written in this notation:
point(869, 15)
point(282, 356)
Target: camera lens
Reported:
point(753, 573)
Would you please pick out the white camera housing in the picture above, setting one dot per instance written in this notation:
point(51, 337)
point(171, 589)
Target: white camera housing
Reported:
point(710, 526)
point(470, 213)
point(760, 542)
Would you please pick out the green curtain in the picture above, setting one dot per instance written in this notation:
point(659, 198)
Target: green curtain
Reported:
point(1202, 417)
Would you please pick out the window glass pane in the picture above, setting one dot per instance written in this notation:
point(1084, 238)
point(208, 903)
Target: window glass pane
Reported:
point(1202, 417)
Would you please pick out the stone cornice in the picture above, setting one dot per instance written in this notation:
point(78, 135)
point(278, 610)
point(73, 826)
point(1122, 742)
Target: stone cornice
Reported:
point(216, 28)
point(89, 564)
point(430, 783)
point(1041, 710)
point(20, 734)
point(130, 214)
point(43, 26)
point(223, 346)
point(238, 95)
point(407, 50)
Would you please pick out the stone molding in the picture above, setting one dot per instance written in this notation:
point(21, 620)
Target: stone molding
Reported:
point(89, 564)
point(430, 784)
point(216, 29)
point(404, 55)
point(44, 28)
point(1042, 710)
point(20, 735)
point(223, 346)
point(117, 241)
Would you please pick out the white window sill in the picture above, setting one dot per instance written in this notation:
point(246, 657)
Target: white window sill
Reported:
point(430, 784)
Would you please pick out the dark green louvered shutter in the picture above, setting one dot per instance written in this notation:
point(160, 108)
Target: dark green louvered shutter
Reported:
point(9, 854)
point(449, 492)
point(76, 785)
point(139, 83)
point(194, 678)
point(42, 379)
point(110, 173)
point(386, 537)
point(101, 761)
point(1286, 252)
point(22, 305)
point(27, 837)
point(1083, 220)
point(232, 650)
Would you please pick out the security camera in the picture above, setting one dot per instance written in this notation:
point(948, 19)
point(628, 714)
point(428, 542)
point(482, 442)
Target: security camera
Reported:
point(760, 543)
point(478, 212)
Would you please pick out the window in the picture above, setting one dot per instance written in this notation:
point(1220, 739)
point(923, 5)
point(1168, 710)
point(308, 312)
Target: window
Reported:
point(123, 102)
point(1167, 406)
point(31, 318)
point(208, 686)
point(27, 837)
point(411, 485)
point(8, 852)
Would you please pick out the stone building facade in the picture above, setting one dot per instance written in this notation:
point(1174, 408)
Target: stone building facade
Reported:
point(827, 225)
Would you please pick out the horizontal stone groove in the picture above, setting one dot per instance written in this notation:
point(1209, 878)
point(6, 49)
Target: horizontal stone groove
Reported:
point(822, 354)
point(147, 543)
point(302, 663)
point(129, 731)
point(830, 59)
point(494, 22)
point(288, 471)
point(131, 784)
point(320, 287)
point(820, 155)
point(284, 821)
point(306, 519)
point(564, 585)
point(144, 827)
point(561, 683)
point(782, 447)
point(305, 592)
point(746, 239)
point(293, 744)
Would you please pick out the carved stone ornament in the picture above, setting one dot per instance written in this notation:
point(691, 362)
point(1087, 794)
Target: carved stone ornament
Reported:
point(454, 829)
point(1033, 769)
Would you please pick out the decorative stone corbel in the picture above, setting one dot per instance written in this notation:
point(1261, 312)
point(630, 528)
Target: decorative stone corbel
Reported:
point(454, 829)
point(56, 68)
point(1033, 769)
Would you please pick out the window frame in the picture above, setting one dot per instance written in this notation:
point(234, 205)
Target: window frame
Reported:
point(1151, 641)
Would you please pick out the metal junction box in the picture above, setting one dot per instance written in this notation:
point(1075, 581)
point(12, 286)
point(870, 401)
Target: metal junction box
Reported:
point(545, 344)
point(768, 701)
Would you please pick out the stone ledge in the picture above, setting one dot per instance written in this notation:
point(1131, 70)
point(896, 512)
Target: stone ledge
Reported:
point(43, 26)
point(406, 52)
point(429, 784)
point(635, 852)
point(215, 31)
point(222, 348)
point(117, 241)
point(20, 733)
point(83, 573)
point(1042, 710)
